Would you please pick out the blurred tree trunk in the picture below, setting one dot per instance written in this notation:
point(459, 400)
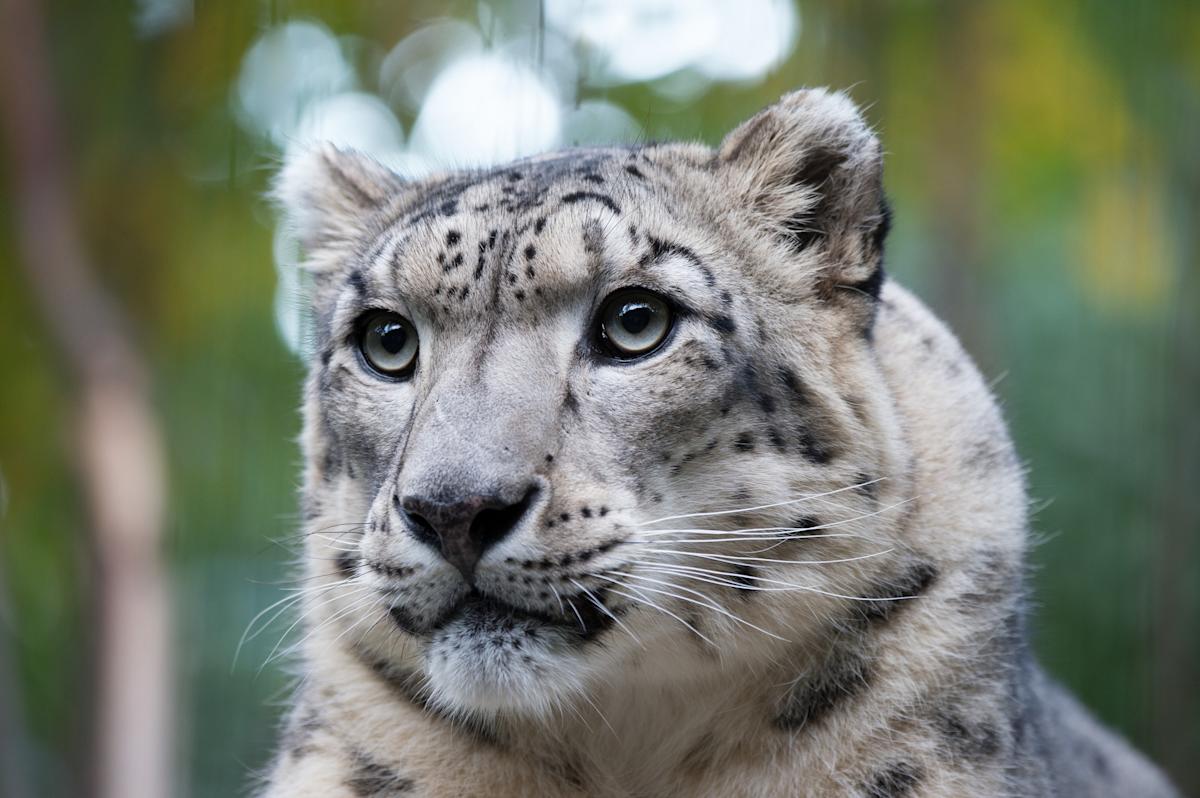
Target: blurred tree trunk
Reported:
point(116, 438)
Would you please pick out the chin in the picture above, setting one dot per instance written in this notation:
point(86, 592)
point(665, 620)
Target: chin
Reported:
point(489, 659)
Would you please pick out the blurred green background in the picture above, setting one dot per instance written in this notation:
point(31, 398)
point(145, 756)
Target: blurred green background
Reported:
point(1044, 163)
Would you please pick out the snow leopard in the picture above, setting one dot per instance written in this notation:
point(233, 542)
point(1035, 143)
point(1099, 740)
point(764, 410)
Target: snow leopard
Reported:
point(629, 472)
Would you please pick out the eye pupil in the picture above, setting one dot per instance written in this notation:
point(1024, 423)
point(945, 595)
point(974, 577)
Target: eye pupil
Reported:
point(388, 344)
point(635, 316)
point(393, 338)
point(633, 322)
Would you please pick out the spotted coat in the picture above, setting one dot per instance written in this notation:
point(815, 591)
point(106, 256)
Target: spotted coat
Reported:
point(779, 554)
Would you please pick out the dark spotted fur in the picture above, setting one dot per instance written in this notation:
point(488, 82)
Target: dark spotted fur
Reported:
point(875, 649)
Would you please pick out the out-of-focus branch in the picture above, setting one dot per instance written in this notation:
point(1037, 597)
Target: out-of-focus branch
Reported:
point(117, 438)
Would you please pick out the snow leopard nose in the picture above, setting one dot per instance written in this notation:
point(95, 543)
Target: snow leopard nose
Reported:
point(463, 528)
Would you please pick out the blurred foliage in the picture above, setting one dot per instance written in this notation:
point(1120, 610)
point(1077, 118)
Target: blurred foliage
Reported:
point(1043, 163)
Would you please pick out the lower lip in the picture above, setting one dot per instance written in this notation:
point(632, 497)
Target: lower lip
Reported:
point(498, 609)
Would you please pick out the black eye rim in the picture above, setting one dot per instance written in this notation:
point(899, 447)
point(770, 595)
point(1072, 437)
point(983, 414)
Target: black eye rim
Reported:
point(362, 325)
point(607, 350)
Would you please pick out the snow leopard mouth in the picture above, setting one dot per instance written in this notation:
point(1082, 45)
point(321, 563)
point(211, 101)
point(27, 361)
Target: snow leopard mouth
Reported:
point(481, 614)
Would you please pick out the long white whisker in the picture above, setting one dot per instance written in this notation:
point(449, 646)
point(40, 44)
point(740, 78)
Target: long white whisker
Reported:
point(557, 596)
point(600, 605)
point(830, 525)
point(641, 599)
point(734, 558)
point(720, 578)
point(781, 538)
point(786, 585)
point(354, 625)
point(360, 602)
point(337, 544)
point(761, 506)
point(712, 606)
point(574, 609)
point(271, 656)
point(286, 603)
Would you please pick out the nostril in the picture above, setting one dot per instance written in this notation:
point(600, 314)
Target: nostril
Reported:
point(420, 528)
point(461, 530)
point(493, 524)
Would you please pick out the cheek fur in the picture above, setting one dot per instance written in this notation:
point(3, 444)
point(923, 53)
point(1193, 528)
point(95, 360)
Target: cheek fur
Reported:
point(361, 424)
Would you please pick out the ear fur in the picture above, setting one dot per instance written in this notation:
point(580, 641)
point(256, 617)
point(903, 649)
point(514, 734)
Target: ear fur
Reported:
point(812, 170)
point(329, 197)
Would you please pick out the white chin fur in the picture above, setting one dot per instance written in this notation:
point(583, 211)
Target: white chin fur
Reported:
point(488, 666)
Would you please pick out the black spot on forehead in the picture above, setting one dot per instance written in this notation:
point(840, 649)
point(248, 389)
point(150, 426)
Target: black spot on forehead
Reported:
point(523, 184)
point(584, 196)
point(440, 199)
point(660, 249)
point(530, 178)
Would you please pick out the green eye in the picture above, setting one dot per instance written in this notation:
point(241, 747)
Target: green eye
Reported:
point(388, 343)
point(634, 322)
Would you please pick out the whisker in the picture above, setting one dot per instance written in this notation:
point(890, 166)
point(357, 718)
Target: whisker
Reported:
point(720, 578)
point(830, 525)
point(360, 602)
point(337, 543)
point(712, 606)
point(354, 625)
point(761, 506)
point(596, 708)
point(271, 656)
point(287, 602)
point(735, 558)
point(779, 538)
point(649, 603)
point(600, 605)
point(707, 573)
point(348, 528)
point(280, 583)
point(574, 609)
point(557, 597)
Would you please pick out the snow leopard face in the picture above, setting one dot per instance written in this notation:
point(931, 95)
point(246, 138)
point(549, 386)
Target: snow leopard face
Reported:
point(605, 411)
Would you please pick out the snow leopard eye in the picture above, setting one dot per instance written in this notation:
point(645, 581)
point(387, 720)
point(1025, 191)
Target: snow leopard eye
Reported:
point(633, 323)
point(388, 344)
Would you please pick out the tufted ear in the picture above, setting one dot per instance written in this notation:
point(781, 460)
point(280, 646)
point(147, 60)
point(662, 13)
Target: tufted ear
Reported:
point(329, 198)
point(812, 170)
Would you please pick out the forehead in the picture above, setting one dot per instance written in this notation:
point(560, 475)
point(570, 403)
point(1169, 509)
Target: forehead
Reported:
point(532, 232)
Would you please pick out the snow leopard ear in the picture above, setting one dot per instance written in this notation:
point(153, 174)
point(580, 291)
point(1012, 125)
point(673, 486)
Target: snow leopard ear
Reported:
point(812, 170)
point(329, 198)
